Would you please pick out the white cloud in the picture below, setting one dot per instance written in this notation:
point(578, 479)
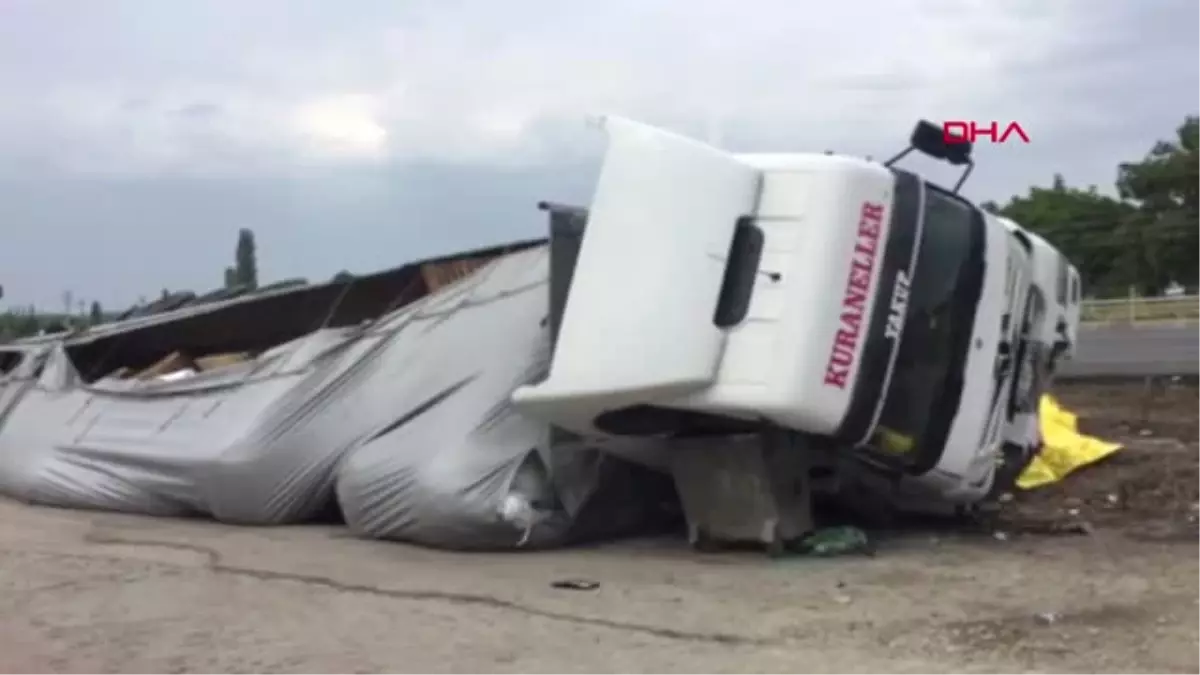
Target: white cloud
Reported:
point(498, 82)
point(344, 125)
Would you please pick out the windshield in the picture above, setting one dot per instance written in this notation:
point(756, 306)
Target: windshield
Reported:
point(926, 380)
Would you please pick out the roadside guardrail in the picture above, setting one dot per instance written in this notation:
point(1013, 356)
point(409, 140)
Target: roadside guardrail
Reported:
point(1139, 310)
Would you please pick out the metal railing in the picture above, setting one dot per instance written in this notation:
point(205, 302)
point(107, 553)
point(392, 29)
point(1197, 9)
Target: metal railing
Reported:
point(1137, 309)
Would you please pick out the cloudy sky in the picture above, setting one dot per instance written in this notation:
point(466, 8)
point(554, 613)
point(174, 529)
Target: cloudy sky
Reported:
point(136, 137)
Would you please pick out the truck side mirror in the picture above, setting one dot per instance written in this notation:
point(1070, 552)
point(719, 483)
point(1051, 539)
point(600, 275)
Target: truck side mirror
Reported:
point(931, 140)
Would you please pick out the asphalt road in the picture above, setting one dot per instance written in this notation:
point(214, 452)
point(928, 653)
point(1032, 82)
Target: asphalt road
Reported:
point(1140, 349)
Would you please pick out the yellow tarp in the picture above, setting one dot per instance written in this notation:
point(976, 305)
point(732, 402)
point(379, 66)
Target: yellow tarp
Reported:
point(1064, 449)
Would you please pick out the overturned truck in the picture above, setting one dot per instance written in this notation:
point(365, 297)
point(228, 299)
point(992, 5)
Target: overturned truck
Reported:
point(731, 333)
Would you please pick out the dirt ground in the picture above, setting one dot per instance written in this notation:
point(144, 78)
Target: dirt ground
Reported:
point(1148, 490)
point(93, 592)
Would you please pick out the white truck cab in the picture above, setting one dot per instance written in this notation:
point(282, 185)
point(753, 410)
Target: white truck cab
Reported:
point(832, 296)
point(1049, 334)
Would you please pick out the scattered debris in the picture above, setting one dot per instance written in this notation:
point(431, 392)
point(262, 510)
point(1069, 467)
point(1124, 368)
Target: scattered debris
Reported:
point(575, 584)
point(168, 365)
point(1047, 618)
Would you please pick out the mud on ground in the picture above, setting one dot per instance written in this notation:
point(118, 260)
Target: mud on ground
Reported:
point(1148, 489)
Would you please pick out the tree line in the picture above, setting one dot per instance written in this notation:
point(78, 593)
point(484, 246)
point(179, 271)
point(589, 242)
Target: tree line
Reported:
point(78, 314)
point(1145, 238)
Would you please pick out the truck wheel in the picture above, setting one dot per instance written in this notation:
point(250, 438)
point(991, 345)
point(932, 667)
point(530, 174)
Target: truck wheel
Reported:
point(702, 542)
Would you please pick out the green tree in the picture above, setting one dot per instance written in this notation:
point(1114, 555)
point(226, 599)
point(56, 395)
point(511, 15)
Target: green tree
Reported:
point(1146, 238)
point(29, 323)
point(246, 260)
point(96, 313)
point(1165, 189)
point(1083, 224)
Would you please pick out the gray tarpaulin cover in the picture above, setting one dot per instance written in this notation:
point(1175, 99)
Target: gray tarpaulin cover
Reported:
point(21, 367)
point(248, 443)
point(457, 464)
point(410, 415)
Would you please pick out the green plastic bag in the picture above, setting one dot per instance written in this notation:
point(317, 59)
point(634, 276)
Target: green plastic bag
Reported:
point(835, 541)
